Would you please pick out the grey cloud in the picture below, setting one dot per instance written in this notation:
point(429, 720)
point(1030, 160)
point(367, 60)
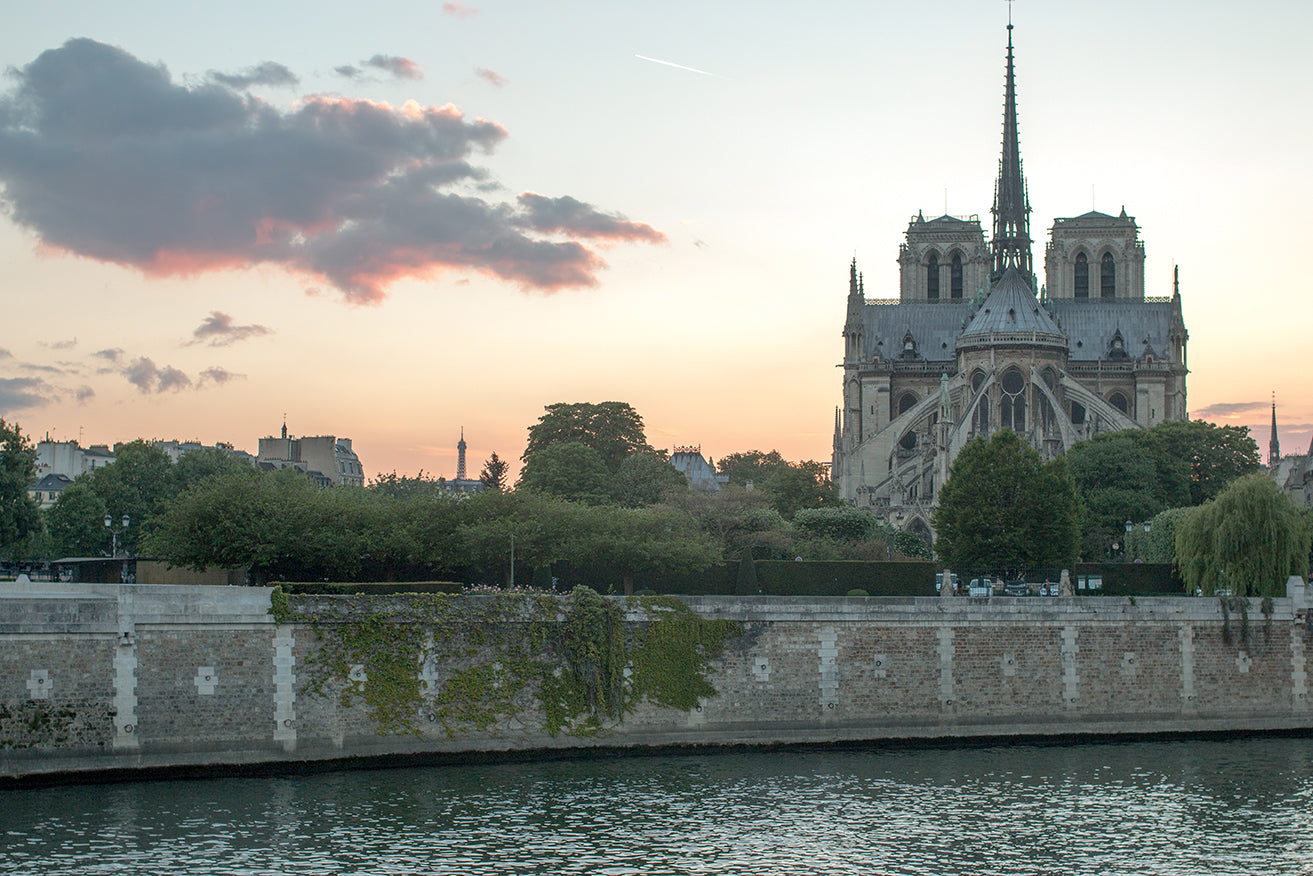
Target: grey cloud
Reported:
point(268, 73)
point(144, 374)
point(566, 215)
point(1229, 409)
point(59, 345)
point(219, 375)
point(113, 354)
point(402, 68)
point(104, 156)
point(219, 331)
point(5, 354)
point(44, 369)
point(23, 393)
point(348, 71)
point(84, 394)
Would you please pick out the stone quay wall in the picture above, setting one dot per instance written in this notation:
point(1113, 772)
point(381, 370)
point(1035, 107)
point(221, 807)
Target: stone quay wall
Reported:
point(107, 679)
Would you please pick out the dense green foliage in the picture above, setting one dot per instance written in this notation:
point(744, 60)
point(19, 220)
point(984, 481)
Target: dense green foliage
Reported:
point(1247, 542)
point(612, 429)
point(493, 475)
point(1005, 511)
point(140, 484)
point(596, 454)
point(19, 517)
point(1136, 474)
point(572, 520)
point(790, 487)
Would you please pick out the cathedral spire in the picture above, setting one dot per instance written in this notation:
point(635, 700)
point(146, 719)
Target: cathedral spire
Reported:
point(1273, 446)
point(1011, 243)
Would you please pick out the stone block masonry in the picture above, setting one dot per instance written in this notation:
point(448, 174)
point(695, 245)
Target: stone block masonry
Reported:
point(103, 677)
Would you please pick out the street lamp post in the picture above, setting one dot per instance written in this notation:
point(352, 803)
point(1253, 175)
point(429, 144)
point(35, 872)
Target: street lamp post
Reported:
point(114, 532)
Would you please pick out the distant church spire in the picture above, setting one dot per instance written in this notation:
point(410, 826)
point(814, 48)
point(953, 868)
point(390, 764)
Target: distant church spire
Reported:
point(460, 456)
point(1011, 243)
point(1274, 446)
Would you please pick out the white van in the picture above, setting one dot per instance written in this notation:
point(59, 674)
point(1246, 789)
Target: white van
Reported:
point(980, 587)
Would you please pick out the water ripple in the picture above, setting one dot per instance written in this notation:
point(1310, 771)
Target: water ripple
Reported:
point(1144, 808)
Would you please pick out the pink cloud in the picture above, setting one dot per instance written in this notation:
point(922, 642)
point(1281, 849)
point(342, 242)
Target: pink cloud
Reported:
point(491, 76)
point(458, 9)
point(105, 157)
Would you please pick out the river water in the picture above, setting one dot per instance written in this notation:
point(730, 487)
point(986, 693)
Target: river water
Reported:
point(1175, 807)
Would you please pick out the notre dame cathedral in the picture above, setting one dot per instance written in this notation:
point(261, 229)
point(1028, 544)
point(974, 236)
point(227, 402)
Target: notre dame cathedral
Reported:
point(968, 348)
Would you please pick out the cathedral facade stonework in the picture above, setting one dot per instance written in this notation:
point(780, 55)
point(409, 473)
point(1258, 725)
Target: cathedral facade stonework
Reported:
point(968, 347)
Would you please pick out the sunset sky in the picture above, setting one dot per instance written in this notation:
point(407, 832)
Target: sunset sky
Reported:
point(392, 220)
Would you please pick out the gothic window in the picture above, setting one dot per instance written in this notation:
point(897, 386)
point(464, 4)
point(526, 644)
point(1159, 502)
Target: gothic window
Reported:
point(1107, 277)
point(932, 277)
point(908, 442)
point(1118, 401)
point(977, 378)
point(955, 277)
point(982, 414)
point(1050, 379)
point(1012, 405)
point(1077, 414)
point(906, 401)
point(1082, 276)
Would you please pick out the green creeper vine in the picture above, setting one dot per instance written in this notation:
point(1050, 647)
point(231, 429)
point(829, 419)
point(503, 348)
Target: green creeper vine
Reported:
point(280, 606)
point(575, 658)
point(670, 660)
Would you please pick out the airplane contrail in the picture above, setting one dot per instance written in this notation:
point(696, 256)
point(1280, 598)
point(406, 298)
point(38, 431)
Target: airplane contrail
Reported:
point(672, 64)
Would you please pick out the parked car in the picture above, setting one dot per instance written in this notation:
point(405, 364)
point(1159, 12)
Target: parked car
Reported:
point(1016, 588)
point(980, 587)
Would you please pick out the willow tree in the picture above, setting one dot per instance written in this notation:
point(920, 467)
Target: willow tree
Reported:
point(1249, 540)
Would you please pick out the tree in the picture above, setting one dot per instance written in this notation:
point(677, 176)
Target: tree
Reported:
point(204, 463)
point(637, 541)
point(805, 485)
point(567, 470)
point(612, 429)
point(493, 476)
point(1003, 510)
point(76, 522)
point(1248, 541)
point(1136, 474)
point(18, 511)
point(1216, 455)
point(841, 523)
point(645, 478)
point(138, 483)
point(750, 465)
point(1124, 476)
point(404, 487)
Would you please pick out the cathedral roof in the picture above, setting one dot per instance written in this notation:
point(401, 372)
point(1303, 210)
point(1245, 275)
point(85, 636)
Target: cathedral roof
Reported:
point(933, 326)
point(1091, 325)
point(1012, 308)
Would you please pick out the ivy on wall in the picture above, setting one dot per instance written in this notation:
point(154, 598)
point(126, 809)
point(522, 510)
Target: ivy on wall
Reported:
point(575, 661)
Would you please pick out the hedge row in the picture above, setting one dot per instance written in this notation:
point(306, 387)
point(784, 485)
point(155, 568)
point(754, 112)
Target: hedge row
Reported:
point(791, 578)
